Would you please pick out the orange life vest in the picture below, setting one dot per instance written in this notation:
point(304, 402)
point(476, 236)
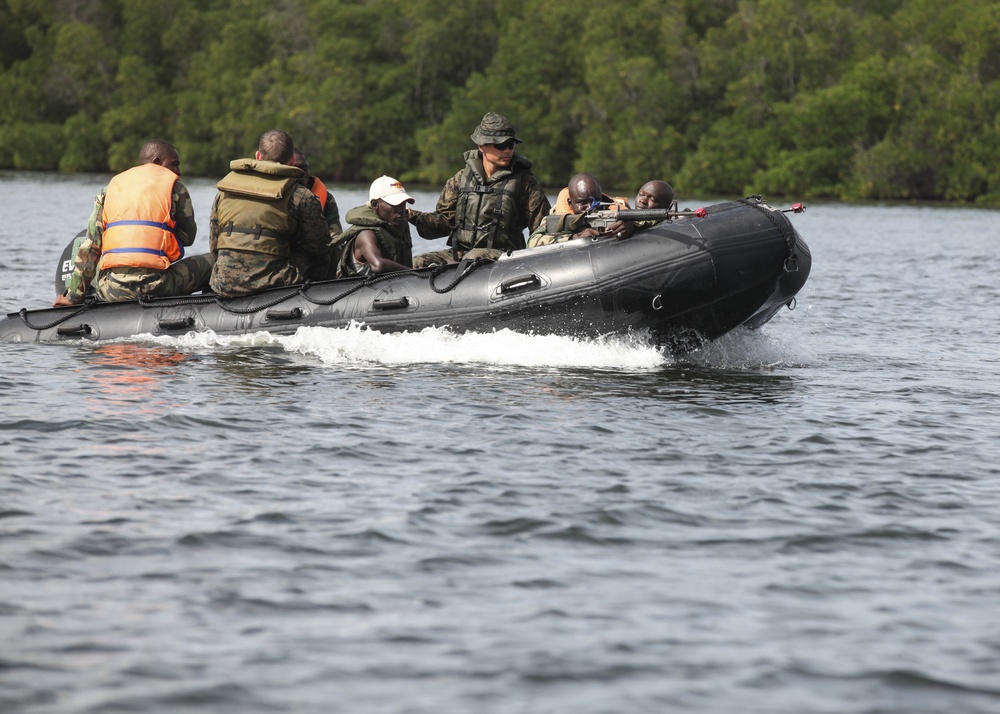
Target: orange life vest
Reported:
point(562, 203)
point(319, 191)
point(138, 229)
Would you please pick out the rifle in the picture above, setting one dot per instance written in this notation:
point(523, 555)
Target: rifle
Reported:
point(601, 220)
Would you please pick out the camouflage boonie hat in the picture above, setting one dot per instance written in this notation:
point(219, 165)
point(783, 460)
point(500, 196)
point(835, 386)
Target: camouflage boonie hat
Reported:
point(493, 129)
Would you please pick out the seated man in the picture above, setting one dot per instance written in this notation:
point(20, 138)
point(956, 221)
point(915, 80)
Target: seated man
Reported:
point(584, 192)
point(266, 228)
point(331, 213)
point(136, 235)
point(485, 207)
point(652, 194)
point(563, 203)
point(655, 194)
point(378, 239)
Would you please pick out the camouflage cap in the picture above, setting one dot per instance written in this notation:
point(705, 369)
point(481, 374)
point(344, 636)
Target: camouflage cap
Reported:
point(493, 129)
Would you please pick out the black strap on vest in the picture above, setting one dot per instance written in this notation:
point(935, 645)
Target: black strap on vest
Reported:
point(494, 225)
point(256, 231)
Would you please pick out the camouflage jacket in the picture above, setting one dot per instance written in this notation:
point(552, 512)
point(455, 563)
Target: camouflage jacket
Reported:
point(557, 228)
point(241, 272)
point(561, 227)
point(89, 253)
point(331, 212)
point(466, 202)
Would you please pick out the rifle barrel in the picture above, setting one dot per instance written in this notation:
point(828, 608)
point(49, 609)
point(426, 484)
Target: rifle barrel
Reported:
point(644, 214)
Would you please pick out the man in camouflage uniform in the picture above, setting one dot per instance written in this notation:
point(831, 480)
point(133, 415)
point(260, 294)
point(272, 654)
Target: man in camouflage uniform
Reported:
point(267, 229)
point(584, 193)
point(331, 213)
point(128, 282)
point(486, 206)
point(654, 194)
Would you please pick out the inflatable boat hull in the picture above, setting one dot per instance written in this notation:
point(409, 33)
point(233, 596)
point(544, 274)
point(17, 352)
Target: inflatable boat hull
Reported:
point(689, 279)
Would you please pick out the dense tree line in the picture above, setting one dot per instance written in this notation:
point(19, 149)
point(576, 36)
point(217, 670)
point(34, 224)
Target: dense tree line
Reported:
point(854, 99)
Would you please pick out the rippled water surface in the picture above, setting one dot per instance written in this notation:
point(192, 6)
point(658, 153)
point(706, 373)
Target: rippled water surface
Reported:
point(803, 519)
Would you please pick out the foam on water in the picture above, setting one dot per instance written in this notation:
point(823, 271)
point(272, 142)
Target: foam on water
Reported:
point(744, 349)
point(357, 344)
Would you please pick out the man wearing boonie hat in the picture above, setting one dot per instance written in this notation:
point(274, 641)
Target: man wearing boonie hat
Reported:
point(378, 239)
point(485, 208)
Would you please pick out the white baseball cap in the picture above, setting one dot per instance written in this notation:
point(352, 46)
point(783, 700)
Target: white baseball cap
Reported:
point(389, 190)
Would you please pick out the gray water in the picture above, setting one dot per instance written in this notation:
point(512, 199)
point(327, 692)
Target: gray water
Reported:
point(802, 519)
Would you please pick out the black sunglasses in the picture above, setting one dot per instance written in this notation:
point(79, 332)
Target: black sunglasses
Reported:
point(509, 144)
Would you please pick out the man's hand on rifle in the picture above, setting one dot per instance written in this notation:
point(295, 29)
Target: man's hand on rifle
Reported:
point(588, 232)
point(620, 230)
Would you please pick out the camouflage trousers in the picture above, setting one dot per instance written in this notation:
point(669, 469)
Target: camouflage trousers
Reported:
point(440, 257)
point(241, 272)
point(181, 278)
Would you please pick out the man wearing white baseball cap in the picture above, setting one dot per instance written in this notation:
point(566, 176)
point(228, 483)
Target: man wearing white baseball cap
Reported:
point(378, 239)
point(389, 190)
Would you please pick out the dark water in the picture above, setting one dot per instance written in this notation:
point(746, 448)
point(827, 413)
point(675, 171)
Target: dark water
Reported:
point(804, 519)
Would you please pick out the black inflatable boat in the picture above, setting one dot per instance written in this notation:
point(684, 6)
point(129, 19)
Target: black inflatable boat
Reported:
point(691, 279)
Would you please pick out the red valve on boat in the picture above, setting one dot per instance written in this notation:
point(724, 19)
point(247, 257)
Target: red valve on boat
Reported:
point(796, 208)
point(700, 212)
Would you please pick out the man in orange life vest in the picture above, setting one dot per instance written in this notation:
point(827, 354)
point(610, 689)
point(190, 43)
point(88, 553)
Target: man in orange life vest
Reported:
point(330, 210)
point(583, 193)
point(141, 222)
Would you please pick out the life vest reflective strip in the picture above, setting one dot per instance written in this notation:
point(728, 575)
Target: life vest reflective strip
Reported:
point(138, 229)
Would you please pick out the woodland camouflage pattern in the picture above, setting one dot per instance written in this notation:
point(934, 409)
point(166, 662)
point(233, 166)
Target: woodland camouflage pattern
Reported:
point(240, 272)
point(331, 214)
point(532, 207)
point(184, 277)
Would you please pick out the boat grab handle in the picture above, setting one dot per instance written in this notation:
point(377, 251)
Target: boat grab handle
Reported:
point(294, 314)
point(391, 304)
point(181, 323)
point(520, 283)
point(68, 330)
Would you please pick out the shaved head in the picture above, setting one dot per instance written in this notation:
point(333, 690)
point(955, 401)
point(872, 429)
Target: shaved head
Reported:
point(276, 145)
point(162, 153)
point(155, 149)
point(655, 194)
point(584, 191)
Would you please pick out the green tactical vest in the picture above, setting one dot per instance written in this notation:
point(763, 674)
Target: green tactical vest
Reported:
point(487, 210)
point(253, 209)
point(393, 241)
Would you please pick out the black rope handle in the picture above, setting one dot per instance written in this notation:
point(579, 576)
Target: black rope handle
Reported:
point(23, 314)
point(461, 274)
point(250, 310)
point(368, 281)
point(147, 303)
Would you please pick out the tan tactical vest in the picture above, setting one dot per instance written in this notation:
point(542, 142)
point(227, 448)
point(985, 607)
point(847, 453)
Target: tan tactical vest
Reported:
point(253, 209)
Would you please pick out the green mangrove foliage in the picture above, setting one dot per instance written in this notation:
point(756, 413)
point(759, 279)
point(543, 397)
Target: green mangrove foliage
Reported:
point(849, 99)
